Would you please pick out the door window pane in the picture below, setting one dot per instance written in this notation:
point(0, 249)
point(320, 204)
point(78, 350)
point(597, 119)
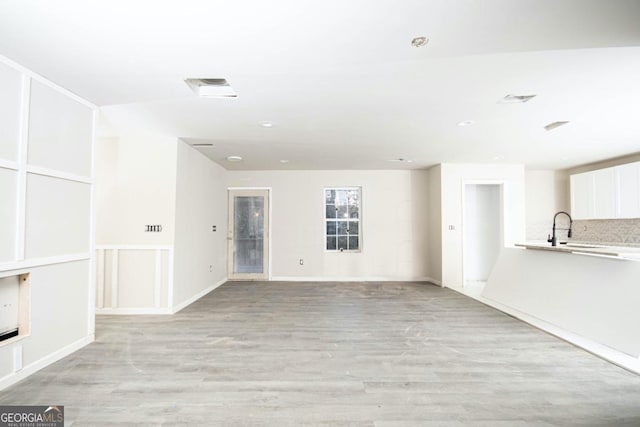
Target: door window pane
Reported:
point(248, 234)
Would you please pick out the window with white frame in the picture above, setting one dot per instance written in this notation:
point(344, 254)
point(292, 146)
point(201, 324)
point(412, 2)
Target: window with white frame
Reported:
point(342, 219)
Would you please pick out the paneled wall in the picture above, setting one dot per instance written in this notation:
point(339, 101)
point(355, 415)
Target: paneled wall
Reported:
point(46, 186)
point(134, 279)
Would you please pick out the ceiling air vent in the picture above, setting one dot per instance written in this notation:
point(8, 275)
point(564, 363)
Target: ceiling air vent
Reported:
point(515, 99)
point(211, 88)
point(552, 126)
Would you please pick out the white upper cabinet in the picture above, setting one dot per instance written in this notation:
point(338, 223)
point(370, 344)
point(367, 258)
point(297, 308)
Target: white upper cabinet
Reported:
point(582, 206)
point(606, 193)
point(628, 184)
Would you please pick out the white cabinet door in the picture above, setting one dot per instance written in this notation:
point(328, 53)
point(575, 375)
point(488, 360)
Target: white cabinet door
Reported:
point(582, 200)
point(628, 189)
point(604, 193)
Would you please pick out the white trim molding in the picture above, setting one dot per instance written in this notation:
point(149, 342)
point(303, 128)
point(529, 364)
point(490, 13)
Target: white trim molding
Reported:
point(53, 173)
point(133, 311)
point(9, 164)
point(350, 279)
point(44, 362)
point(41, 262)
point(115, 305)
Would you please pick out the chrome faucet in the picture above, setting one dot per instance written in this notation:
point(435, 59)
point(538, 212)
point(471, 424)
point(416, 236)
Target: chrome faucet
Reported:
point(552, 239)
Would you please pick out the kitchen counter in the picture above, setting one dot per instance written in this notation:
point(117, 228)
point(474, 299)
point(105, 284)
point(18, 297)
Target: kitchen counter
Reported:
point(594, 297)
point(621, 252)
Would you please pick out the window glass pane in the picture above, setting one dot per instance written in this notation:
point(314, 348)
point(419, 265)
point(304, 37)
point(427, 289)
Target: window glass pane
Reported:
point(342, 215)
point(353, 243)
point(353, 227)
point(342, 243)
point(331, 228)
point(342, 227)
point(330, 211)
point(331, 243)
point(330, 197)
point(352, 197)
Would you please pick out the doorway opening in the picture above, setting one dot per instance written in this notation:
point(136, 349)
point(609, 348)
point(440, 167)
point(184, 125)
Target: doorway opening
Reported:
point(248, 234)
point(482, 234)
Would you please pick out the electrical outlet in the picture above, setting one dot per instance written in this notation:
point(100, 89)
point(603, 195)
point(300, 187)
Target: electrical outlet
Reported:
point(214, 228)
point(452, 227)
point(155, 228)
point(210, 268)
point(301, 261)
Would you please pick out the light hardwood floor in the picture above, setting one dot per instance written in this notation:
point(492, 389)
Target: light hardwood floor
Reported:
point(344, 354)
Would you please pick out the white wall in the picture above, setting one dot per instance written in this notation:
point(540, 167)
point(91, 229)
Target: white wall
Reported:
point(395, 219)
point(435, 224)
point(147, 179)
point(135, 186)
point(454, 176)
point(547, 192)
point(46, 140)
point(201, 202)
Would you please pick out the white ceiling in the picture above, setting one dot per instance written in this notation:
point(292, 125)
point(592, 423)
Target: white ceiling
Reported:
point(340, 80)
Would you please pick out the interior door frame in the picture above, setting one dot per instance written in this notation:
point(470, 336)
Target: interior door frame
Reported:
point(266, 275)
point(503, 216)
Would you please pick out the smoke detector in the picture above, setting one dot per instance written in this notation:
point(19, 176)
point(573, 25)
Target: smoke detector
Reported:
point(211, 88)
point(515, 99)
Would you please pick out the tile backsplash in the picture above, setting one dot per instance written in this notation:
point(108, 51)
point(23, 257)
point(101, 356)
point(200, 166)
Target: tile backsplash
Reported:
point(615, 232)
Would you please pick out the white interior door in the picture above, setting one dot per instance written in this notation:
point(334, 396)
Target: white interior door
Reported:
point(248, 234)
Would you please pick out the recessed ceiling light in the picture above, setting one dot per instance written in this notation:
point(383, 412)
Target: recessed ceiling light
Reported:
point(284, 161)
point(466, 123)
point(401, 160)
point(266, 124)
point(515, 99)
point(552, 126)
point(234, 159)
point(211, 88)
point(419, 41)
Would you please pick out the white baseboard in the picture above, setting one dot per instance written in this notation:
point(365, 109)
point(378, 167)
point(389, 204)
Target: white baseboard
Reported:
point(348, 279)
point(44, 362)
point(616, 357)
point(130, 311)
point(196, 297)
